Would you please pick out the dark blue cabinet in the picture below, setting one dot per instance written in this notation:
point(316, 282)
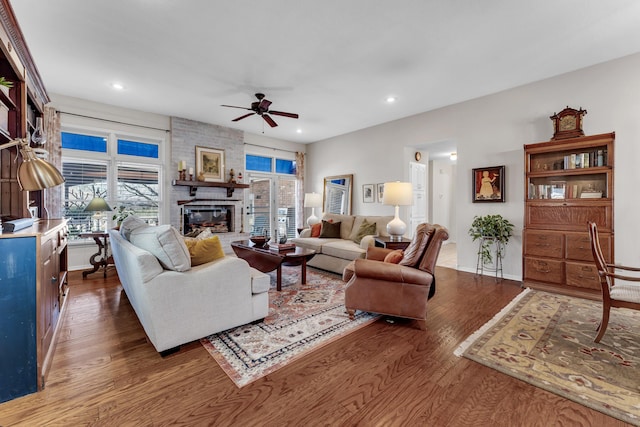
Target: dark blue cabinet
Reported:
point(18, 328)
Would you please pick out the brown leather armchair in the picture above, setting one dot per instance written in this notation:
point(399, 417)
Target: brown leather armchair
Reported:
point(400, 290)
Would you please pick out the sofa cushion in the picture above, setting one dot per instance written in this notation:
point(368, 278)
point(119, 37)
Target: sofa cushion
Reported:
point(345, 249)
point(314, 243)
point(346, 223)
point(330, 230)
point(394, 256)
point(130, 224)
point(414, 251)
point(381, 224)
point(203, 251)
point(165, 243)
point(315, 229)
point(365, 229)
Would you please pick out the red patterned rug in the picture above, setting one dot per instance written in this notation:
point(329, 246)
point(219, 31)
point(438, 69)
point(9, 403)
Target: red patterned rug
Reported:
point(302, 318)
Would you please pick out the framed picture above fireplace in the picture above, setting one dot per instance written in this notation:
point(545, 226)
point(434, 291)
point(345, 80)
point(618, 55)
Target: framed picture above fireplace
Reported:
point(210, 164)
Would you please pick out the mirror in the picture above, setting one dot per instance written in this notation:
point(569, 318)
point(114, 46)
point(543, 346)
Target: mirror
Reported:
point(337, 194)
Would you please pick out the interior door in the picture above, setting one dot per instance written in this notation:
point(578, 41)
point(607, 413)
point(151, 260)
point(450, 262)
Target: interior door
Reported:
point(418, 213)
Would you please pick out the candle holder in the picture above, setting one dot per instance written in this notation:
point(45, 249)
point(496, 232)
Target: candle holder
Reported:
point(183, 176)
point(190, 177)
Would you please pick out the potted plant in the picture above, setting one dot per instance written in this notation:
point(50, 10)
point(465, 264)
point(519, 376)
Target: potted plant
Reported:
point(5, 85)
point(492, 229)
point(120, 213)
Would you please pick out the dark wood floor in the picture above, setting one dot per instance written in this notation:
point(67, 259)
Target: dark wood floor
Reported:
point(386, 374)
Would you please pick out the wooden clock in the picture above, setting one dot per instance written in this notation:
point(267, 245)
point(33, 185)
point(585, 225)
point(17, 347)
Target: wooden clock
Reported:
point(567, 123)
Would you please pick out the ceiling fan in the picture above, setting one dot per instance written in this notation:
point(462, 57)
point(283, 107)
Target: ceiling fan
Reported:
point(261, 108)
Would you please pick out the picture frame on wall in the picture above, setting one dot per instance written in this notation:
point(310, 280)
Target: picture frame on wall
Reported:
point(368, 193)
point(380, 191)
point(488, 184)
point(210, 164)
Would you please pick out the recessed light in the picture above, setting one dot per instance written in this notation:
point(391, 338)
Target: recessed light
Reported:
point(391, 99)
point(298, 130)
point(117, 86)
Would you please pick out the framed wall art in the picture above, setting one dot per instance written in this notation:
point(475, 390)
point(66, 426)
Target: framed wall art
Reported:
point(210, 164)
point(380, 191)
point(488, 184)
point(368, 195)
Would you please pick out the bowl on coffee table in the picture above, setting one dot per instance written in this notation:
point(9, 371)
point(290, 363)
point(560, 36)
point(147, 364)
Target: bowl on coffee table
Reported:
point(259, 241)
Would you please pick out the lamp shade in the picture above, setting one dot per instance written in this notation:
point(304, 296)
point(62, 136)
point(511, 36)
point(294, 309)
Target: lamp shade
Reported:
point(97, 204)
point(35, 173)
point(397, 194)
point(312, 200)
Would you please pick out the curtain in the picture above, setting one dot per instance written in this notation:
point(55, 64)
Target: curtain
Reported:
point(53, 196)
point(300, 190)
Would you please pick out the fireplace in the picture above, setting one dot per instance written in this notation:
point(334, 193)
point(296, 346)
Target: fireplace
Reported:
point(218, 218)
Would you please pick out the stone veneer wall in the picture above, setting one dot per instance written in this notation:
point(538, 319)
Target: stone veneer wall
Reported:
point(185, 136)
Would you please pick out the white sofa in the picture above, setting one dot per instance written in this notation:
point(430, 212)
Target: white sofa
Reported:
point(176, 307)
point(334, 254)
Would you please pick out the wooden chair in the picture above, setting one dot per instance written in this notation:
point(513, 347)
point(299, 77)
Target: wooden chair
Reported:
point(614, 294)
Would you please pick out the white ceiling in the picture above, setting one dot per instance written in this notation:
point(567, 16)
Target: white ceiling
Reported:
point(333, 61)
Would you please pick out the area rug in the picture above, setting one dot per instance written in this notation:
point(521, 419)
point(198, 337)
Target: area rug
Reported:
point(546, 340)
point(302, 318)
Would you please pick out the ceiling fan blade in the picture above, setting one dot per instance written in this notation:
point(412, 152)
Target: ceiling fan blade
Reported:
point(269, 120)
point(282, 113)
point(264, 105)
point(242, 117)
point(234, 106)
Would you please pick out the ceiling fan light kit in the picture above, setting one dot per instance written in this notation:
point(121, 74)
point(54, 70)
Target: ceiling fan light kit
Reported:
point(261, 108)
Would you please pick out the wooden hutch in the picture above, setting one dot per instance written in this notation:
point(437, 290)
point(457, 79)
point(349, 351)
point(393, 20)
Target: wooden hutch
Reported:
point(33, 265)
point(567, 183)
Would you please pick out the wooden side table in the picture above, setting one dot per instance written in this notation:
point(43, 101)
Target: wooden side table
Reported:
point(386, 242)
point(102, 258)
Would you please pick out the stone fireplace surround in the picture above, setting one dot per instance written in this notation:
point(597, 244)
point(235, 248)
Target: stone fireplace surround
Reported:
point(185, 136)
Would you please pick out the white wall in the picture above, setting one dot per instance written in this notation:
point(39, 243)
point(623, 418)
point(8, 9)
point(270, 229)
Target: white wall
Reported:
point(491, 131)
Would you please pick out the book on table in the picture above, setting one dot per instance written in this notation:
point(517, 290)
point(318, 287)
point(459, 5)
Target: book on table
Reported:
point(282, 246)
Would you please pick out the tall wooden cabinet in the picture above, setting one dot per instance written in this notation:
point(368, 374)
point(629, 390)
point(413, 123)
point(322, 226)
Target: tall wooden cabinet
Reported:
point(33, 289)
point(568, 183)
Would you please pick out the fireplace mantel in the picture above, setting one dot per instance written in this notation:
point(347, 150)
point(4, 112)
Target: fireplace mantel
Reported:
point(193, 186)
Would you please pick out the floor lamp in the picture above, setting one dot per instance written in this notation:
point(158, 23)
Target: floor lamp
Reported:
point(313, 201)
point(397, 194)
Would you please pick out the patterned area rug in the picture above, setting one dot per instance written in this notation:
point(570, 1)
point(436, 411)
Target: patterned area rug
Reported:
point(302, 318)
point(547, 340)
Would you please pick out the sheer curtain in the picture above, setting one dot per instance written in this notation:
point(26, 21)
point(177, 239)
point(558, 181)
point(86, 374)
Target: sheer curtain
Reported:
point(300, 189)
point(53, 196)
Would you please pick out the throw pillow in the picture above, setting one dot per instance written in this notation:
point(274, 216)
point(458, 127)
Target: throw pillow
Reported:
point(330, 230)
point(366, 229)
point(205, 250)
point(315, 229)
point(394, 257)
point(129, 224)
point(165, 243)
point(413, 253)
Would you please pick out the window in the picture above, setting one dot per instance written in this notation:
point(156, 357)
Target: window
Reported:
point(125, 171)
point(266, 164)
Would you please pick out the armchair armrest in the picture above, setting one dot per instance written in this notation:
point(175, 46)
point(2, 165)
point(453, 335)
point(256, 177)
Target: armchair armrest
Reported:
point(305, 233)
point(365, 268)
point(376, 253)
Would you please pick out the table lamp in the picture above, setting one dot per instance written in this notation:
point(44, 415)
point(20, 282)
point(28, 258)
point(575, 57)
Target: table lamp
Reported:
point(397, 194)
point(313, 201)
point(97, 205)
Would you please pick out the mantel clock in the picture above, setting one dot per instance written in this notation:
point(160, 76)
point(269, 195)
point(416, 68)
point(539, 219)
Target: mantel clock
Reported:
point(567, 123)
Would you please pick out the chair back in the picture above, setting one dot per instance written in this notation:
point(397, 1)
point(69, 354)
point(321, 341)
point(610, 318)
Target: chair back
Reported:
point(432, 250)
point(598, 257)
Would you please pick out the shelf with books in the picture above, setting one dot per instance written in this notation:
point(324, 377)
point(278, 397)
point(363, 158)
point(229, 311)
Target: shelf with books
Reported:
point(567, 183)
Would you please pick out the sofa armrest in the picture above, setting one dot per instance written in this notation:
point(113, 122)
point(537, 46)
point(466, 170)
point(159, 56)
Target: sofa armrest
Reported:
point(384, 271)
point(367, 241)
point(376, 253)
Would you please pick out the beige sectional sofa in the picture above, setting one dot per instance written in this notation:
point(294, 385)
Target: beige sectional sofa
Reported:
point(334, 254)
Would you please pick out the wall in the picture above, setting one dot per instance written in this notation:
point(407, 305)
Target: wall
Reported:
point(491, 131)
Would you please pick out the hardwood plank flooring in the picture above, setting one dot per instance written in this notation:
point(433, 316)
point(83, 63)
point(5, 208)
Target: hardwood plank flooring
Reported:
point(105, 373)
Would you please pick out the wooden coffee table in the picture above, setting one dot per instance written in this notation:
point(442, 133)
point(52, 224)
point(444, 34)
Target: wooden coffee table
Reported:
point(266, 260)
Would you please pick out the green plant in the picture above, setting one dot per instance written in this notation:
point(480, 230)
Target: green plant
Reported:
point(6, 83)
point(492, 229)
point(120, 213)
